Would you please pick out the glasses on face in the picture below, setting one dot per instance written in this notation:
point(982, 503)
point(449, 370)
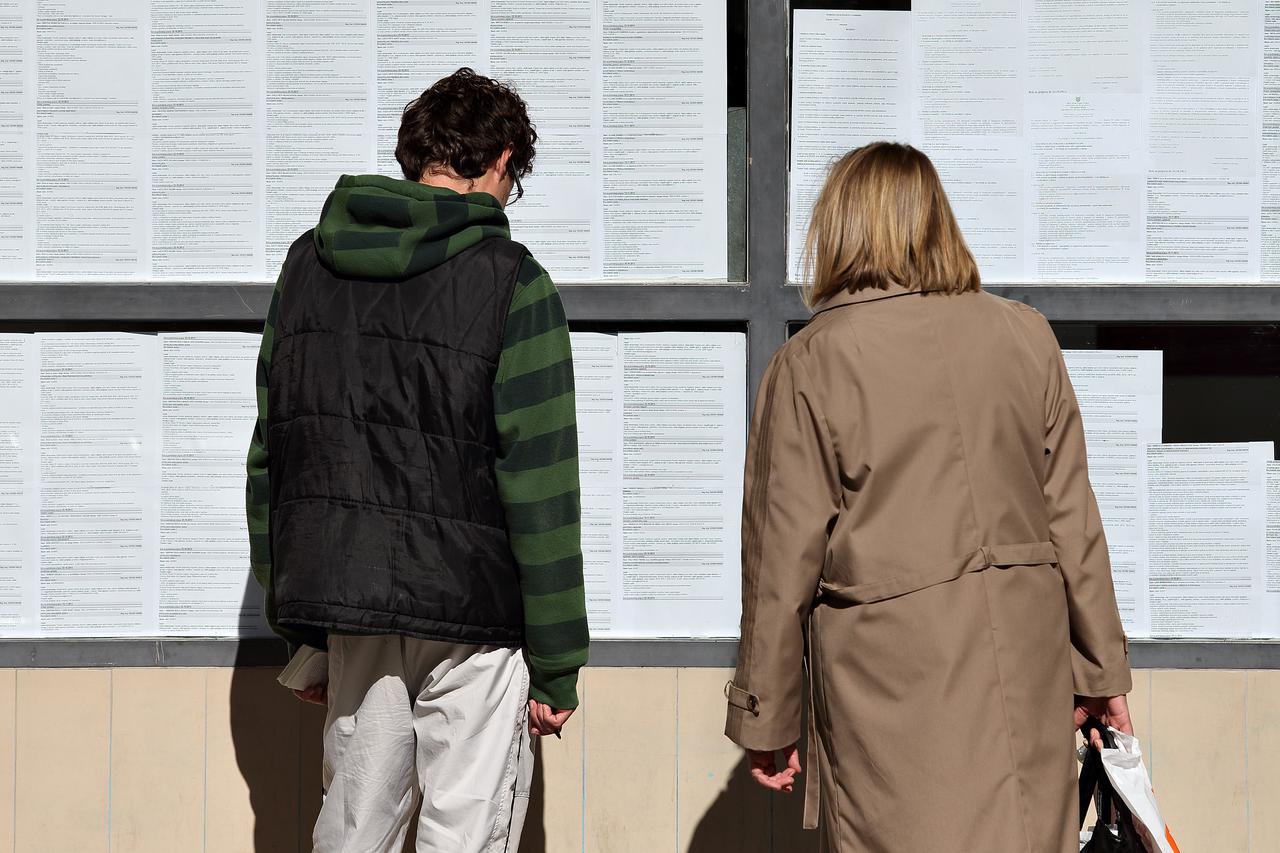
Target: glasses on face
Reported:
point(516, 192)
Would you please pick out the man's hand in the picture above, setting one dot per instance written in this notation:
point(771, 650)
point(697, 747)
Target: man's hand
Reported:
point(1112, 711)
point(545, 720)
point(317, 694)
point(765, 770)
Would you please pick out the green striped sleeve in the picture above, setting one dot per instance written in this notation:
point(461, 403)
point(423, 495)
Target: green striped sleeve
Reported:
point(537, 473)
point(258, 482)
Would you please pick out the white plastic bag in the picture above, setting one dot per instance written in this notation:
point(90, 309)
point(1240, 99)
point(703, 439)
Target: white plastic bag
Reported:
point(1129, 778)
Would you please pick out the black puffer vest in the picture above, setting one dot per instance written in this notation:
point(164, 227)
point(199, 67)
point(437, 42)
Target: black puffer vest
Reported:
point(385, 516)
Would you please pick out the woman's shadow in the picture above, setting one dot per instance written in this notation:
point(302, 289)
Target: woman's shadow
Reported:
point(745, 818)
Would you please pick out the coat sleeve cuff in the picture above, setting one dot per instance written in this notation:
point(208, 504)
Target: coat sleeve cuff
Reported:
point(741, 699)
point(1102, 680)
point(750, 726)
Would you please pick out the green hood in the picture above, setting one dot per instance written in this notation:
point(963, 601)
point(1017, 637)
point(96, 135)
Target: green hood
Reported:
point(386, 229)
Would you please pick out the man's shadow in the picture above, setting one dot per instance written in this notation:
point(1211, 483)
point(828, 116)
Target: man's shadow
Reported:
point(534, 839)
point(277, 743)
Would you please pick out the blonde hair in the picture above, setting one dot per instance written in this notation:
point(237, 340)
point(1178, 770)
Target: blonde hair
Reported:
point(882, 219)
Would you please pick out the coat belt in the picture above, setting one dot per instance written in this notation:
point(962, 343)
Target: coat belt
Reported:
point(812, 782)
point(985, 557)
point(1024, 554)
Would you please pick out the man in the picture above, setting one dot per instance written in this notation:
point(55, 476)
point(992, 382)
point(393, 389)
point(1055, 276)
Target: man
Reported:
point(413, 492)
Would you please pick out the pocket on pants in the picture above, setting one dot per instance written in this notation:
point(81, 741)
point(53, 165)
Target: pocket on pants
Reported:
point(524, 784)
point(518, 780)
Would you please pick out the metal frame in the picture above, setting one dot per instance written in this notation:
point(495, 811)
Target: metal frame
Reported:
point(764, 306)
point(178, 652)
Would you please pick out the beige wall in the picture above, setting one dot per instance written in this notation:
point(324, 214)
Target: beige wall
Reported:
point(139, 760)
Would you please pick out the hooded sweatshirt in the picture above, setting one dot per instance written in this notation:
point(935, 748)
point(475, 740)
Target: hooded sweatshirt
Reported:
point(383, 229)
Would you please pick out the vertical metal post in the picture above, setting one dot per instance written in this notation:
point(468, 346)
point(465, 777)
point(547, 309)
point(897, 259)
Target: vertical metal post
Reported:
point(768, 39)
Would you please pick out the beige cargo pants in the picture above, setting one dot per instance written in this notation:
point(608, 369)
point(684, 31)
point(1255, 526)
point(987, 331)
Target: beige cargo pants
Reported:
point(417, 722)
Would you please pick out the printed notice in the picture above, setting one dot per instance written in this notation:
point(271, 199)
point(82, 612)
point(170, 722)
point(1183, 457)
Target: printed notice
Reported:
point(970, 71)
point(208, 408)
point(320, 109)
point(1120, 394)
point(19, 486)
point(850, 85)
point(99, 505)
point(661, 444)
point(93, 137)
point(684, 443)
point(597, 379)
point(1206, 531)
point(1270, 626)
point(207, 140)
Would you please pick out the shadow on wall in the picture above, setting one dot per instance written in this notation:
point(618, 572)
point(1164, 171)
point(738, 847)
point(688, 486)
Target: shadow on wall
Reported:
point(747, 819)
point(279, 749)
point(534, 839)
point(277, 742)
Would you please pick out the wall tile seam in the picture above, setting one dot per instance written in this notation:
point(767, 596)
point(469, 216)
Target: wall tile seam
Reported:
point(17, 704)
point(111, 736)
point(1248, 788)
point(204, 798)
point(675, 844)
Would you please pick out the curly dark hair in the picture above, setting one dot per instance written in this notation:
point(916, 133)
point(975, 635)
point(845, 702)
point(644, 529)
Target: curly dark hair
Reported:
point(462, 124)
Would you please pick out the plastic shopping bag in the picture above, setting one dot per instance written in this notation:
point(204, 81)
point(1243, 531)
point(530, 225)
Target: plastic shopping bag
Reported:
point(1126, 779)
point(1115, 830)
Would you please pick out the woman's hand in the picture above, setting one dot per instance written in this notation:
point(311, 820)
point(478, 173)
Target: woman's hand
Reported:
point(1113, 711)
point(765, 770)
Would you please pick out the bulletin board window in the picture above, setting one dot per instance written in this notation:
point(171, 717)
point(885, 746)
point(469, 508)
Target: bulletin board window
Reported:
point(754, 293)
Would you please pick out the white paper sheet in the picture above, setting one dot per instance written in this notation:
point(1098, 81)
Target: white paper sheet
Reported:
point(1271, 142)
point(93, 137)
point(560, 216)
point(1087, 196)
point(969, 83)
point(208, 411)
point(683, 449)
point(1120, 397)
point(207, 140)
point(554, 60)
point(597, 376)
point(1057, 29)
point(661, 425)
point(1146, 157)
point(19, 486)
point(1206, 531)
point(664, 120)
point(204, 137)
point(850, 84)
point(1086, 140)
point(321, 115)
point(418, 42)
point(17, 138)
point(99, 465)
point(1269, 626)
point(1204, 95)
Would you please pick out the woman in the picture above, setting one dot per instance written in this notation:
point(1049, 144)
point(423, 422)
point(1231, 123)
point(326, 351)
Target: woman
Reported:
point(920, 531)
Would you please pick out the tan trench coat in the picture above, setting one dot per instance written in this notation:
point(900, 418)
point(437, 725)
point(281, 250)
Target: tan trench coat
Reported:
point(918, 513)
